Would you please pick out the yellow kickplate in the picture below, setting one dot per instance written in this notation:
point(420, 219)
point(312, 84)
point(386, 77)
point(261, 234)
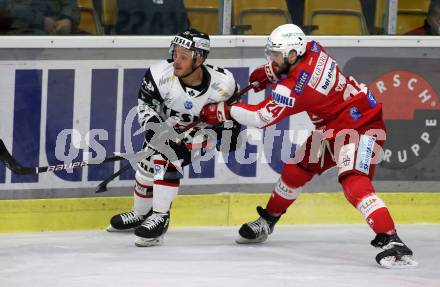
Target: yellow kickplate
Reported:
point(212, 209)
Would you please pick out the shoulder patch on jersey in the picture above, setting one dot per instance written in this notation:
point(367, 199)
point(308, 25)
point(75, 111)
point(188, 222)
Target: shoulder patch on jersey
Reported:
point(328, 78)
point(217, 87)
point(162, 73)
point(319, 68)
point(281, 95)
point(166, 79)
point(147, 85)
point(301, 82)
point(222, 82)
point(315, 47)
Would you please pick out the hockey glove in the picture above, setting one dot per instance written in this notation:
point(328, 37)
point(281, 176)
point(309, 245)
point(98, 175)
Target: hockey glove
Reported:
point(215, 114)
point(263, 75)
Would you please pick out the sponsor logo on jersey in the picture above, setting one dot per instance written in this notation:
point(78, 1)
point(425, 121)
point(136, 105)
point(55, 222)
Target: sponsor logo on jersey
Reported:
point(371, 99)
point(182, 42)
point(411, 110)
point(216, 87)
point(364, 153)
point(165, 79)
point(355, 114)
point(282, 100)
point(328, 78)
point(302, 80)
point(341, 82)
point(188, 105)
point(281, 95)
point(319, 68)
point(315, 47)
point(184, 118)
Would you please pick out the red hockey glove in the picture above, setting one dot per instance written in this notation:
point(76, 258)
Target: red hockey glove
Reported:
point(215, 114)
point(263, 75)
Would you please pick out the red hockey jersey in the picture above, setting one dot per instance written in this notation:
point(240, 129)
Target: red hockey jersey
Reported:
point(317, 86)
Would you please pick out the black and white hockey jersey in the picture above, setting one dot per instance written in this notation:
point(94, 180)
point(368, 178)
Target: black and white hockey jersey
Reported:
point(164, 96)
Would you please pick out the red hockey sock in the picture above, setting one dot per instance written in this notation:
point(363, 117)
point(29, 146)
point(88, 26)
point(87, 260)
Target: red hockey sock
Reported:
point(360, 193)
point(287, 189)
point(381, 222)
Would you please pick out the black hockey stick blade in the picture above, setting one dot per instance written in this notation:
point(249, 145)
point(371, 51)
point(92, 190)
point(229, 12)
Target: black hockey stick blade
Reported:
point(102, 187)
point(11, 163)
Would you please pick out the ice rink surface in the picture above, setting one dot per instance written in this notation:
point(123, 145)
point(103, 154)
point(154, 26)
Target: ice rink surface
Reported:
point(302, 255)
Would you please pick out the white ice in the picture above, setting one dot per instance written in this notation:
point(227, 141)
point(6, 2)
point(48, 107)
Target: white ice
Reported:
point(302, 255)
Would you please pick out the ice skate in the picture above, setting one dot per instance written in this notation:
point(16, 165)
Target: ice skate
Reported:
point(126, 221)
point(395, 255)
point(151, 232)
point(257, 231)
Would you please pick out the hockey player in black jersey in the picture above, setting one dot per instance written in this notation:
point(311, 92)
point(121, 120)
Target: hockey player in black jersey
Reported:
point(172, 94)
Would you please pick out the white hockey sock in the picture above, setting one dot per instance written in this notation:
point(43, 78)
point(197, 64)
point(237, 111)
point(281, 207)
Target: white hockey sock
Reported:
point(166, 185)
point(163, 197)
point(143, 192)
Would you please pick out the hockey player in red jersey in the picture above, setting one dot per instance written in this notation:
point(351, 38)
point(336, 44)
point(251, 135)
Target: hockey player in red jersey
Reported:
point(349, 134)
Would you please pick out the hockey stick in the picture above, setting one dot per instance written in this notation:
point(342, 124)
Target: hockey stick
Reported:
point(238, 95)
point(103, 185)
point(17, 168)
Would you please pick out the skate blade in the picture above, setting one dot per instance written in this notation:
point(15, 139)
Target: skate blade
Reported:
point(148, 242)
point(112, 229)
point(406, 261)
point(242, 240)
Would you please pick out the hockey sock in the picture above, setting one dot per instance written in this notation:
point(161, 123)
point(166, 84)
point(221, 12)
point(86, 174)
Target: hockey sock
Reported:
point(166, 185)
point(287, 189)
point(360, 193)
point(143, 192)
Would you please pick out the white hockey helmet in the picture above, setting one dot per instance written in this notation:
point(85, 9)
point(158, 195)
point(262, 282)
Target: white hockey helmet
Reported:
point(286, 38)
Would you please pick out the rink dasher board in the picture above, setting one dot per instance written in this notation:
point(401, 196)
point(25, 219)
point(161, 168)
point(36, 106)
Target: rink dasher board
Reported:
point(226, 209)
point(87, 57)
